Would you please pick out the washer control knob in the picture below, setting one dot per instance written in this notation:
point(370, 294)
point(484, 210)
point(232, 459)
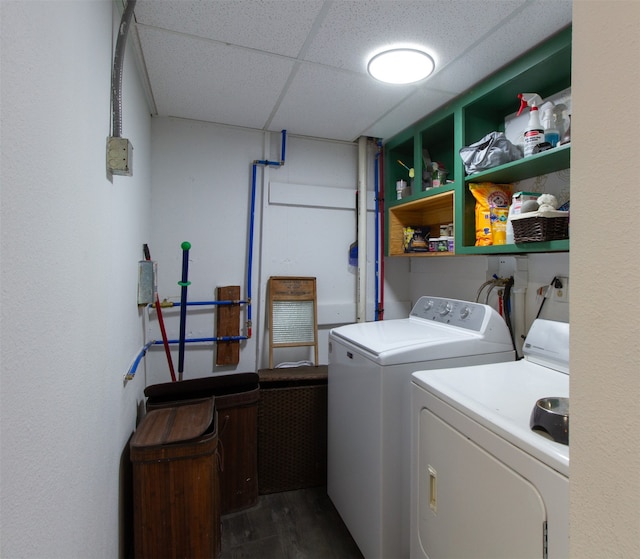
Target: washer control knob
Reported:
point(445, 308)
point(428, 304)
point(465, 312)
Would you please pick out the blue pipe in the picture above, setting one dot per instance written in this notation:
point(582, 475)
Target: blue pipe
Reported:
point(200, 340)
point(183, 303)
point(250, 257)
point(136, 362)
point(134, 366)
point(283, 146)
point(267, 163)
point(197, 303)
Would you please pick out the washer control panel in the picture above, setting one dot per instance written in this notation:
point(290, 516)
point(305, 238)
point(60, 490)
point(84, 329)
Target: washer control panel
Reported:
point(464, 314)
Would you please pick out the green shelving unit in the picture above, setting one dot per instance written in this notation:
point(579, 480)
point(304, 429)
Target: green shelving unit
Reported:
point(481, 110)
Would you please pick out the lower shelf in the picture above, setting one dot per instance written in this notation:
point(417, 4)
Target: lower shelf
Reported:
point(431, 211)
point(543, 246)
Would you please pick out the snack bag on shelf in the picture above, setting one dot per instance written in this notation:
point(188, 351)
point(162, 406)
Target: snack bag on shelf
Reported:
point(488, 194)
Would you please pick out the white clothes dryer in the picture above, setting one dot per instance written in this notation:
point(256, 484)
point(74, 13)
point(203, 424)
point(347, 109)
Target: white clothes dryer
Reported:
point(484, 483)
point(369, 421)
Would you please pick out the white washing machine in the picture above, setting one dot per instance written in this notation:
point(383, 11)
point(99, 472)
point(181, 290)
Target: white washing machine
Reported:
point(484, 483)
point(369, 421)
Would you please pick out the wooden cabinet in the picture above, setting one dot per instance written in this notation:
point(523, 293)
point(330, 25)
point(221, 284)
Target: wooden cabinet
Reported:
point(545, 70)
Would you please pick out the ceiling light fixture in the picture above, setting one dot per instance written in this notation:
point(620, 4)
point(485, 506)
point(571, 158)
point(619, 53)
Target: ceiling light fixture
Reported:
point(401, 66)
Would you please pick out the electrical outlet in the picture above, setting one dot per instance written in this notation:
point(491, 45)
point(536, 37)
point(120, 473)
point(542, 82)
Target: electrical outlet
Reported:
point(560, 290)
point(509, 266)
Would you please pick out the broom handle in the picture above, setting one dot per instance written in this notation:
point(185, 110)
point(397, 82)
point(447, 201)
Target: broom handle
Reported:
point(165, 339)
point(183, 305)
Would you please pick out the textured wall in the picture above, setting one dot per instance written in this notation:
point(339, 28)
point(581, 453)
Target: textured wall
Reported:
point(70, 243)
point(605, 267)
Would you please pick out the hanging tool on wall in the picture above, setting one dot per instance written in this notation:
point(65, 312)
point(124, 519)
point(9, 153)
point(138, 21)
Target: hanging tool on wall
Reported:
point(163, 331)
point(184, 283)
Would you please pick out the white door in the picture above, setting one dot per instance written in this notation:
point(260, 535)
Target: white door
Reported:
point(470, 505)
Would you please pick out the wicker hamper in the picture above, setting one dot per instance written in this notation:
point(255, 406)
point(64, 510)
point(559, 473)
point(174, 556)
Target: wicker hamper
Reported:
point(176, 509)
point(540, 226)
point(292, 428)
point(237, 406)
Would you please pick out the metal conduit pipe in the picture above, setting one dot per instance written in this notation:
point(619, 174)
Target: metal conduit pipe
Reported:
point(118, 68)
point(361, 290)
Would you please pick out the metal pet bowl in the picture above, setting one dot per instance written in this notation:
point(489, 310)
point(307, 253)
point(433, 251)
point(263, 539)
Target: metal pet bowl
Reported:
point(551, 415)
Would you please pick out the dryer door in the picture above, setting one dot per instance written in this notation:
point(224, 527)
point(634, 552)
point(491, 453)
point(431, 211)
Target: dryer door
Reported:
point(471, 505)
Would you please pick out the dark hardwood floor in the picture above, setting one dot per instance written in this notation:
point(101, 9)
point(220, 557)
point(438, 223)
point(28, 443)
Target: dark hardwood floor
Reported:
point(300, 524)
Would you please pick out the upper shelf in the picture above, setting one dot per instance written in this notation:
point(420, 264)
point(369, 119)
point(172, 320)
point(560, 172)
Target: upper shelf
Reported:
point(550, 161)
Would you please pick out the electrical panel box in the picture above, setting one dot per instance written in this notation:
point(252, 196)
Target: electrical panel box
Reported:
point(119, 156)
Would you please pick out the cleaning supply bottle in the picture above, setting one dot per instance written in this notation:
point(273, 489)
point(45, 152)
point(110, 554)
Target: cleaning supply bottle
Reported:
point(566, 137)
point(550, 123)
point(534, 132)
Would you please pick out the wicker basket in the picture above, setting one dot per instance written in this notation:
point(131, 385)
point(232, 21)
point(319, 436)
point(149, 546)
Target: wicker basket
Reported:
point(292, 429)
point(536, 227)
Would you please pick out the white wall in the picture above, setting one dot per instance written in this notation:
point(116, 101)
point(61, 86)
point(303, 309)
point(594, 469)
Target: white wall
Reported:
point(71, 239)
point(304, 224)
point(461, 277)
point(605, 331)
point(70, 242)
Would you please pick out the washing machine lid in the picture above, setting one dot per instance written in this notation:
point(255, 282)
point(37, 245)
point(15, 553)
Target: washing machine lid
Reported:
point(437, 328)
point(501, 397)
point(547, 344)
point(408, 341)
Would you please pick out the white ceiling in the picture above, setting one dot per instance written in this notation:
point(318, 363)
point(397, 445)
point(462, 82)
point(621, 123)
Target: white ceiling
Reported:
point(300, 65)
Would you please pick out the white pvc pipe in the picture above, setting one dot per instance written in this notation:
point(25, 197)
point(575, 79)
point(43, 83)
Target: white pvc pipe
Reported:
point(361, 289)
point(519, 318)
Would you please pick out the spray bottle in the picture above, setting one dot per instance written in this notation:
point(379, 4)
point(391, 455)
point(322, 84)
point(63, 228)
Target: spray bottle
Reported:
point(550, 123)
point(534, 132)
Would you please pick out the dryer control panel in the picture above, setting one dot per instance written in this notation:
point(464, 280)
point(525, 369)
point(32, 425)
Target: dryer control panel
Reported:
point(465, 314)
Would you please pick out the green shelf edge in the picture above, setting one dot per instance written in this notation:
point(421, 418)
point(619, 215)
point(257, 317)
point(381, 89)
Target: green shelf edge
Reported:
point(421, 195)
point(521, 248)
point(556, 159)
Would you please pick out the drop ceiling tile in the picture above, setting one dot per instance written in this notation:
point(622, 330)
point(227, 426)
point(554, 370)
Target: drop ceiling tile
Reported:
point(239, 66)
point(490, 55)
point(275, 26)
point(423, 102)
point(352, 31)
point(325, 102)
point(197, 79)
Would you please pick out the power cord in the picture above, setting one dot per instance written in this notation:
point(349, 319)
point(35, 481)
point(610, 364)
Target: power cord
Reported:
point(556, 283)
point(507, 310)
point(504, 298)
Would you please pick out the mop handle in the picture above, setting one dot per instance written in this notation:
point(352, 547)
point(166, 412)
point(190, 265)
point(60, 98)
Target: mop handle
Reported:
point(163, 330)
point(183, 305)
